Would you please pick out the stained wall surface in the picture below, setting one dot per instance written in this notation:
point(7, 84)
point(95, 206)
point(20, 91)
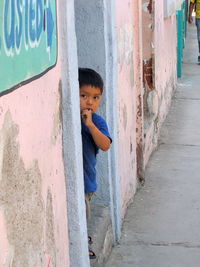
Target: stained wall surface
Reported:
point(160, 69)
point(126, 101)
point(33, 219)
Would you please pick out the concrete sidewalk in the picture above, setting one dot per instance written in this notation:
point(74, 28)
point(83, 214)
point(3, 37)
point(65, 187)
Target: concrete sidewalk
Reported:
point(162, 226)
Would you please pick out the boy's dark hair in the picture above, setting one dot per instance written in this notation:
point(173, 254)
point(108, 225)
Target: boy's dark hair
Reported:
point(90, 77)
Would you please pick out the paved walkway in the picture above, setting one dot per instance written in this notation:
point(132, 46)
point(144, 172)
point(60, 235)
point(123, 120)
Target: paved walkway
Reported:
point(162, 226)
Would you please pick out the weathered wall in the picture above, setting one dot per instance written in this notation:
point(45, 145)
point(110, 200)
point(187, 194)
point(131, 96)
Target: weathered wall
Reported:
point(33, 217)
point(138, 87)
point(126, 101)
point(159, 71)
point(147, 29)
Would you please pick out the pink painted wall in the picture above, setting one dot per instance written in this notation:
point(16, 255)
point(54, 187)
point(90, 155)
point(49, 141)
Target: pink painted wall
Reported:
point(165, 56)
point(138, 87)
point(163, 52)
point(126, 101)
point(33, 219)
point(147, 30)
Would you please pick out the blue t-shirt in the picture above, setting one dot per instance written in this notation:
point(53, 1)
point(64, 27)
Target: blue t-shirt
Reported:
point(90, 150)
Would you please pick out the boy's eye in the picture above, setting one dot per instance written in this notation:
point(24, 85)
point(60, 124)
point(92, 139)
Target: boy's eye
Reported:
point(83, 96)
point(96, 97)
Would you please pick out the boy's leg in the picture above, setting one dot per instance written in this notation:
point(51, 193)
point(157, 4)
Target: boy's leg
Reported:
point(88, 198)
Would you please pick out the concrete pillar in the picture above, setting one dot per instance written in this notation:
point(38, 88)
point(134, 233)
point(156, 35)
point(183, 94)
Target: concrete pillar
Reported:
point(72, 146)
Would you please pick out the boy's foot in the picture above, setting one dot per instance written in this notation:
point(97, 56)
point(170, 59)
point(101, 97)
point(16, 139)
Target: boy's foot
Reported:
point(92, 254)
point(90, 241)
point(198, 59)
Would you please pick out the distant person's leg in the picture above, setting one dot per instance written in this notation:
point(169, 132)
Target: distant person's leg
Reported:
point(198, 36)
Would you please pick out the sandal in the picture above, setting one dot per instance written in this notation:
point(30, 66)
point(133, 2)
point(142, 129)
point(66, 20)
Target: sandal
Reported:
point(92, 254)
point(90, 241)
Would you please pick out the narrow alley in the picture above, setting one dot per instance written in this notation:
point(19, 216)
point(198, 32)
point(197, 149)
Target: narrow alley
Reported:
point(147, 176)
point(161, 228)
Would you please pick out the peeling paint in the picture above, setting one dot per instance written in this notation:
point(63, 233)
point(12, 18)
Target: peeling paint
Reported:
point(125, 45)
point(148, 6)
point(148, 86)
point(131, 146)
point(140, 164)
point(4, 246)
point(125, 117)
point(139, 142)
point(145, 7)
point(50, 238)
point(1, 110)
point(20, 201)
point(139, 108)
point(148, 74)
point(132, 74)
point(57, 117)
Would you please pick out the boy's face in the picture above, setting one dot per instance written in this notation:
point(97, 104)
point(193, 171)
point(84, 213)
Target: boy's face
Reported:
point(90, 97)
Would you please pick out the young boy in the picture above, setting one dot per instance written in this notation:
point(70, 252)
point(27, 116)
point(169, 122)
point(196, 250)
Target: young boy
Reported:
point(94, 132)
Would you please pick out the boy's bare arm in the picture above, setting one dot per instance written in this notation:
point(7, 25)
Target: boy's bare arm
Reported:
point(101, 140)
point(190, 12)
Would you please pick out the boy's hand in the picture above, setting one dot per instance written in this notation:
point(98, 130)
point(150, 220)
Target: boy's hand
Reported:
point(101, 140)
point(86, 116)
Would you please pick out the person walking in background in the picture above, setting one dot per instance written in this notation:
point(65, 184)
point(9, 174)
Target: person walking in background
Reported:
point(195, 4)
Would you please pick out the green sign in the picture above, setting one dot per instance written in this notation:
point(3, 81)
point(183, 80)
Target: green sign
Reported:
point(28, 41)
